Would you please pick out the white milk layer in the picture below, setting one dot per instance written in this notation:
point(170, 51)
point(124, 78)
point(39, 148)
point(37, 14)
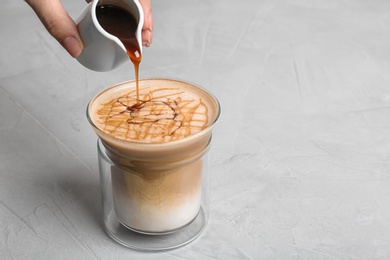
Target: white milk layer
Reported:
point(147, 218)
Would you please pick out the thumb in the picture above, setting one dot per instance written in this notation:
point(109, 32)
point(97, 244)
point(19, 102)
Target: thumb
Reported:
point(147, 29)
point(59, 24)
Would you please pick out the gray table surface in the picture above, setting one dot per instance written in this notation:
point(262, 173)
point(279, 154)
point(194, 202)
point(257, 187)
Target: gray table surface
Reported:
point(301, 154)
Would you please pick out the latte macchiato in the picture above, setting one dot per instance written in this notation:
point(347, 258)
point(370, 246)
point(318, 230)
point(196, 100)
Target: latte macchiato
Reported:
point(156, 144)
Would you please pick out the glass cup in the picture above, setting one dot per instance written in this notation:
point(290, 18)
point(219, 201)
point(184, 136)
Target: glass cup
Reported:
point(155, 196)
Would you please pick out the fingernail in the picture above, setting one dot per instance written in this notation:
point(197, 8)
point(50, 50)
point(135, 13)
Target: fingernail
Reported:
point(72, 45)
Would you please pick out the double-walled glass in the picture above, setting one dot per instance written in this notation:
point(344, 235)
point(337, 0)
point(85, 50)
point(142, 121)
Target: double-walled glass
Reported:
point(155, 196)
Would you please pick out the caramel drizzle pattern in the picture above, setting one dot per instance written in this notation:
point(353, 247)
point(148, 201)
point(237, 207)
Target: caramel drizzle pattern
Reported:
point(155, 117)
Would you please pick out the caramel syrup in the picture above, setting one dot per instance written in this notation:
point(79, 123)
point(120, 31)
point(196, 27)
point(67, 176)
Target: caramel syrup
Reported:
point(122, 24)
point(164, 114)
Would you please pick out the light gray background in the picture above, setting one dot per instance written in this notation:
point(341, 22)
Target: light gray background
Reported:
point(301, 154)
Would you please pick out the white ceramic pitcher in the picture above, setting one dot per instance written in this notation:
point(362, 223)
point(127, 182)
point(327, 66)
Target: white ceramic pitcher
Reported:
point(103, 51)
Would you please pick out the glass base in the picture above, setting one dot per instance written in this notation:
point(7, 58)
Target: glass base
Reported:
point(143, 242)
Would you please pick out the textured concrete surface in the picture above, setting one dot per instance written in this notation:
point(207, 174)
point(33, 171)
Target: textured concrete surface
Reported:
point(301, 154)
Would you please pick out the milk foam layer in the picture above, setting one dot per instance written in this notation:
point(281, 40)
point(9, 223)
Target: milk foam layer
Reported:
point(157, 172)
point(163, 113)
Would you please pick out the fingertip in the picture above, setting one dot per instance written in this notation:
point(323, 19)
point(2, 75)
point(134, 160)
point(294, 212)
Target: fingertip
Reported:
point(147, 36)
point(73, 46)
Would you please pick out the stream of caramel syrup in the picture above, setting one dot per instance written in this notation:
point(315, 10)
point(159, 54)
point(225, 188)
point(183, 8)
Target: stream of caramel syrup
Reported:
point(122, 24)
